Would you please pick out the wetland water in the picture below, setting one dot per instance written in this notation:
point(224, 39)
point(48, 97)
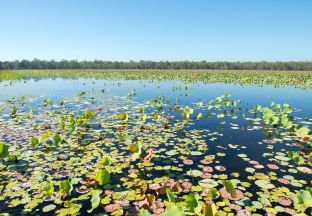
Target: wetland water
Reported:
point(125, 145)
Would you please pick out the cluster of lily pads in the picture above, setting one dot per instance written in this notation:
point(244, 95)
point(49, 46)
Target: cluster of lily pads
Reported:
point(100, 153)
point(301, 79)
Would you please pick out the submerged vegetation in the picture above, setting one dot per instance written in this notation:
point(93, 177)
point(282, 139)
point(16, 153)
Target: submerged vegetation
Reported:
point(301, 79)
point(99, 152)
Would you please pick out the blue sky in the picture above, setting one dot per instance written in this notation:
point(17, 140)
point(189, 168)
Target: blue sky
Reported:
point(231, 30)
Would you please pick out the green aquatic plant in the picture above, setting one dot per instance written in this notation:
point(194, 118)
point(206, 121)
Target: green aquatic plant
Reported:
point(56, 139)
point(229, 187)
point(302, 132)
point(13, 158)
point(4, 150)
point(73, 122)
point(123, 137)
point(29, 115)
point(210, 209)
point(295, 156)
point(34, 141)
point(187, 112)
point(199, 104)
point(95, 199)
point(165, 165)
point(102, 176)
point(199, 116)
point(192, 204)
point(48, 188)
point(278, 116)
point(173, 210)
point(171, 197)
point(106, 161)
point(303, 199)
point(144, 212)
point(123, 117)
point(212, 194)
point(47, 102)
point(133, 93)
point(66, 186)
point(136, 149)
point(14, 112)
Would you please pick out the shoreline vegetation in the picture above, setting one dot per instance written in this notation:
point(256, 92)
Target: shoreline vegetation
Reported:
point(142, 64)
point(300, 79)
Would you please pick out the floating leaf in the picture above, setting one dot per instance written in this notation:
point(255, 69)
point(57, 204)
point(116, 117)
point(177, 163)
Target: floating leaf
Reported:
point(229, 187)
point(136, 149)
point(199, 104)
point(49, 208)
point(48, 188)
point(210, 209)
point(56, 140)
point(171, 152)
point(106, 200)
point(66, 186)
point(4, 150)
point(212, 194)
point(191, 203)
point(144, 212)
point(208, 183)
point(124, 117)
point(172, 211)
point(302, 132)
point(95, 200)
point(220, 116)
point(197, 188)
point(45, 135)
point(170, 195)
point(303, 198)
point(102, 177)
point(196, 153)
point(34, 142)
point(106, 161)
point(264, 184)
point(295, 156)
point(194, 173)
point(14, 112)
point(199, 116)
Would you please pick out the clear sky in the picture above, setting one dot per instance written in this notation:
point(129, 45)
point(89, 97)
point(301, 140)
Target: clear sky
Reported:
point(212, 30)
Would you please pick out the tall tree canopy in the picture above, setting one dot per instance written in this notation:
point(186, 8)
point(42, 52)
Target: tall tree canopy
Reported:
point(99, 64)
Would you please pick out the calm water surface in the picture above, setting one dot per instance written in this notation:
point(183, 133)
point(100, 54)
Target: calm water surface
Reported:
point(187, 94)
point(58, 89)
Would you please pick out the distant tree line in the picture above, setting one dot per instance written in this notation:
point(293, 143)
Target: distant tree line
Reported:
point(98, 64)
